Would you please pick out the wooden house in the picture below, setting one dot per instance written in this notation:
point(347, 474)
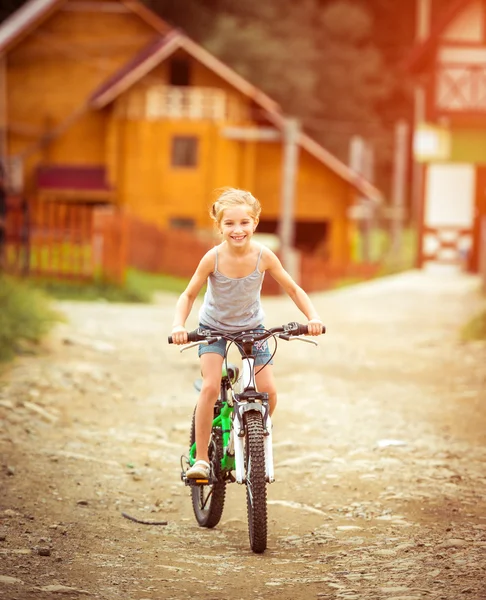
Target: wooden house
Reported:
point(102, 102)
point(449, 69)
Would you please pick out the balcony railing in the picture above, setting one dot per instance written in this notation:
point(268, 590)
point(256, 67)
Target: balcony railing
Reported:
point(461, 89)
point(172, 102)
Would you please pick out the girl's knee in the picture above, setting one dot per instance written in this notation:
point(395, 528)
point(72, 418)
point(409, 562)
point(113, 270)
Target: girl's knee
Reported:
point(210, 390)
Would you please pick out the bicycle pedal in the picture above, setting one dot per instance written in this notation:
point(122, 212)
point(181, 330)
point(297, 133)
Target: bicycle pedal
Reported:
point(196, 482)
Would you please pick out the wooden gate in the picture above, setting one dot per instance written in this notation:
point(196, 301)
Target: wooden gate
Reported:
point(448, 215)
point(64, 240)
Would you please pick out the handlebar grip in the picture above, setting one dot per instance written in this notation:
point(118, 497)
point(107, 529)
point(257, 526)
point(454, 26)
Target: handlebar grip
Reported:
point(299, 329)
point(192, 336)
point(195, 336)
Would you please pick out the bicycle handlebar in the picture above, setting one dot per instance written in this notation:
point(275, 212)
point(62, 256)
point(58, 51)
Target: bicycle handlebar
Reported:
point(211, 335)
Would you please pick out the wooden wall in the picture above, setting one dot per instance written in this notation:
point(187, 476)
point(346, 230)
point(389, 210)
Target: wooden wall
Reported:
point(51, 73)
point(321, 195)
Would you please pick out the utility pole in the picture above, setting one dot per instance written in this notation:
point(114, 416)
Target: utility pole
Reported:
point(286, 230)
point(361, 160)
point(400, 160)
point(422, 30)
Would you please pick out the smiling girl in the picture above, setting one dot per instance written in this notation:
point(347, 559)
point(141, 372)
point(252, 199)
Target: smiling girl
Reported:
point(234, 272)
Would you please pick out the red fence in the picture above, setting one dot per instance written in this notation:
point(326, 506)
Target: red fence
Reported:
point(173, 251)
point(64, 240)
point(83, 242)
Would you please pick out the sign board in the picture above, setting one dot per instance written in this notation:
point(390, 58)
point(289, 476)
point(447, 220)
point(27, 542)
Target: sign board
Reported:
point(431, 142)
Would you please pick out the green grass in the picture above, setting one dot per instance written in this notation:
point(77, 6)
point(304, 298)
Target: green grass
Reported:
point(139, 287)
point(26, 316)
point(475, 329)
point(150, 283)
point(381, 250)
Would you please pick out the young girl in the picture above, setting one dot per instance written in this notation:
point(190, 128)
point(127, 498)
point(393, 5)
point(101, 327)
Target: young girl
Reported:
point(234, 272)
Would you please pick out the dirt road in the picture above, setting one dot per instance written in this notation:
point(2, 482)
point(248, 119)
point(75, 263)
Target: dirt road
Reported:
point(380, 454)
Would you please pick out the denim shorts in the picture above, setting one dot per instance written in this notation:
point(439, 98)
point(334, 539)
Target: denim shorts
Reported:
point(260, 349)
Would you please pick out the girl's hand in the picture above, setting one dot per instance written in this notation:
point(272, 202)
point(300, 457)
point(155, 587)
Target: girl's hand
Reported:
point(179, 335)
point(314, 327)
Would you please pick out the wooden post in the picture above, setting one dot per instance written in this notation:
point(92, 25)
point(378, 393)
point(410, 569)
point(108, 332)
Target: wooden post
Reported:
point(422, 26)
point(286, 228)
point(399, 185)
point(422, 30)
point(482, 251)
point(361, 161)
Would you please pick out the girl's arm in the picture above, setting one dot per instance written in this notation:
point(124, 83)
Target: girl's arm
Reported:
point(273, 265)
point(186, 299)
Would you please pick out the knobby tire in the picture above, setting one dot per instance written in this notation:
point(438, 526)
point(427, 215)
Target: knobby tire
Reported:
point(256, 487)
point(208, 500)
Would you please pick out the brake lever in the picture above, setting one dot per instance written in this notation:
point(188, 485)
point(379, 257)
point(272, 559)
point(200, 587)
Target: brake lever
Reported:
point(188, 346)
point(206, 342)
point(292, 338)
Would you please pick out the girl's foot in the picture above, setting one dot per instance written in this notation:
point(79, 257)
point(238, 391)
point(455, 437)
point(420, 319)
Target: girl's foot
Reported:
point(199, 470)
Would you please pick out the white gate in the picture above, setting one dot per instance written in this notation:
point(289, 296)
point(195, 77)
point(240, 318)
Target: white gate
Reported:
point(448, 218)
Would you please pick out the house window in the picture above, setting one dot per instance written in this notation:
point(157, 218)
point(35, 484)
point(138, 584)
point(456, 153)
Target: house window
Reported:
point(184, 151)
point(179, 72)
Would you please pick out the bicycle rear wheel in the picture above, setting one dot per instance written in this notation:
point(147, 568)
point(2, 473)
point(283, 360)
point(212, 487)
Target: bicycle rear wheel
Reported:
point(256, 487)
point(208, 500)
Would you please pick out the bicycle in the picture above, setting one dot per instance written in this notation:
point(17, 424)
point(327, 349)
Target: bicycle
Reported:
point(241, 434)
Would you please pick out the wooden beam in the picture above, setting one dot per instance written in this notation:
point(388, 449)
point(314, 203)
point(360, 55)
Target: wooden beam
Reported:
point(87, 6)
point(251, 134)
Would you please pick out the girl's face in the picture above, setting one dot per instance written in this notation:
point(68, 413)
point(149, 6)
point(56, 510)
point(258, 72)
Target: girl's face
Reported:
point(237, 225)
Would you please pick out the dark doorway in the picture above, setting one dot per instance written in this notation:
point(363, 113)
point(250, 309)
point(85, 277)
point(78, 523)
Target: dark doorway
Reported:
point(310, 236)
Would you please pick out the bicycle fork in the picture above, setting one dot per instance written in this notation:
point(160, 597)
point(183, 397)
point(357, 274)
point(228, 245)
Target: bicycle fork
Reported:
point(251, 400)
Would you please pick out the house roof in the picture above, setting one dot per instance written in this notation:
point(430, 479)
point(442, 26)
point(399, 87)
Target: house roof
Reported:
point(28, 16)
point(421, 53)
point(33, 12)
point(156, 52)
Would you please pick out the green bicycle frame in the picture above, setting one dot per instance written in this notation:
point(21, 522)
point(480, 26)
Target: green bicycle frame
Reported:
point(223, 421)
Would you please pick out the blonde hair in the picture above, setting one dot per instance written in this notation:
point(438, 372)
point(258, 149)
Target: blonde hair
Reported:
point(229, 197)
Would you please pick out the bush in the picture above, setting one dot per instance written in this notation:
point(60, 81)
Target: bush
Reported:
point(25, 316)
point(475, 329)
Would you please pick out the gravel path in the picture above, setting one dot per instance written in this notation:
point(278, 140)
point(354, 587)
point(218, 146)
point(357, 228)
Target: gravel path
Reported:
point(380, 455)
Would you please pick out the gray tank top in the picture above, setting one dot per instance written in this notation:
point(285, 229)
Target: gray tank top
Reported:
point(232, 304)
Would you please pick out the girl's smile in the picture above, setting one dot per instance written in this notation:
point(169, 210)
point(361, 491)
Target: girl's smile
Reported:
point(237, 225)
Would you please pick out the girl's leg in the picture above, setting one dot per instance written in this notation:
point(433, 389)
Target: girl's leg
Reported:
point(266, 383)
point(211, 366)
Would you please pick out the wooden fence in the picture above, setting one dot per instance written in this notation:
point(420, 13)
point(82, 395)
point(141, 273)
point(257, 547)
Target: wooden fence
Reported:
point(178, 252)
point(64, 240)
point(84, 242)
point(173, 251)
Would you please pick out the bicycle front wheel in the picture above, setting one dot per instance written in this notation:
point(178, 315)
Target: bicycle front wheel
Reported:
point(256, 487)
point(208, 500)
